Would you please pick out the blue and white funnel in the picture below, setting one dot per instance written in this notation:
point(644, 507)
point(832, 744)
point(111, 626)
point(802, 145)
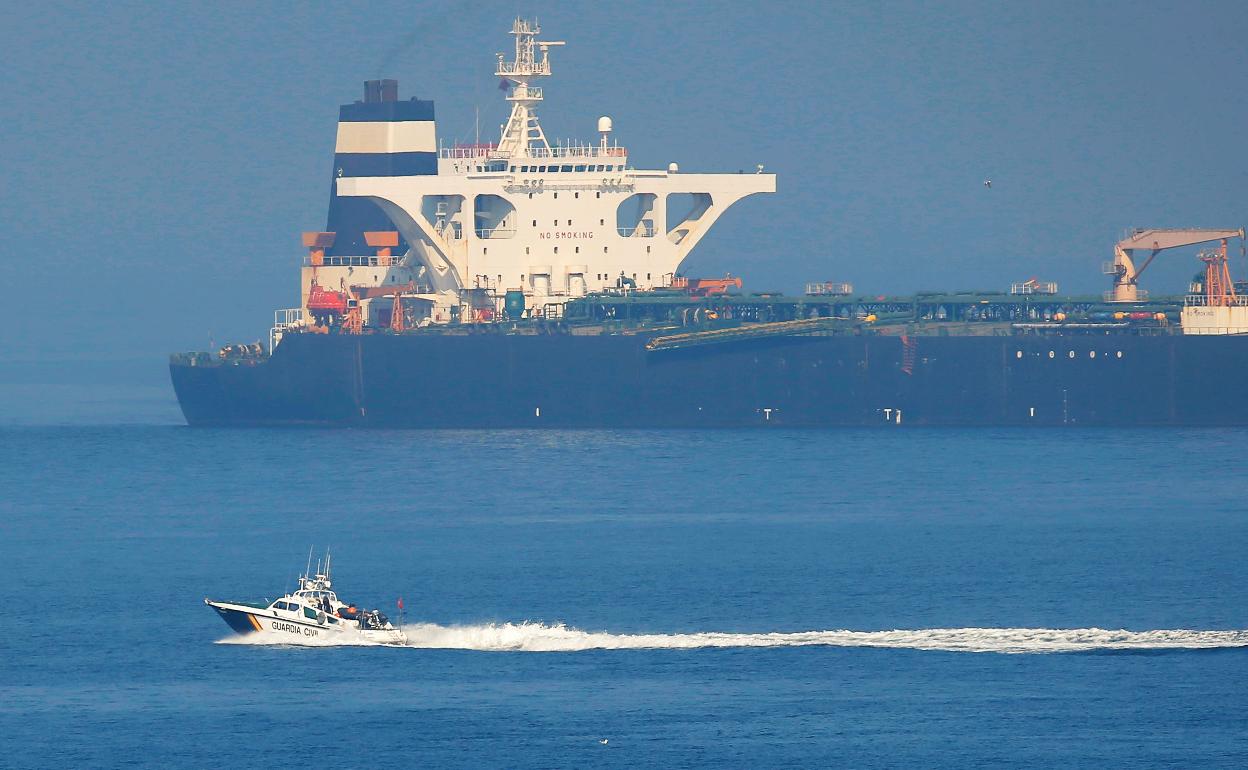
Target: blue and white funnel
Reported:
point(380, 136)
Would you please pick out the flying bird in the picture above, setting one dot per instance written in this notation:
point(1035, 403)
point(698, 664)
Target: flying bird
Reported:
point(988, 183)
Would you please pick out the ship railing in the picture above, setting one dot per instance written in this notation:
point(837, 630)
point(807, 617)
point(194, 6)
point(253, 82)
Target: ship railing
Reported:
point(1034, 287)
point(516, 186)
point(578, 151)
point(283, 319)
point(829, 289)
point(359, 261)
point(463, 151)
point(641, 230)
point(1200, 300)
point(570, 152)
point(517, 68)
point(496, 232)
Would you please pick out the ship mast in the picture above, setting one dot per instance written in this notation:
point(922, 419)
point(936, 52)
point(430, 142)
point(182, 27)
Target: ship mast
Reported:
point(523, 135)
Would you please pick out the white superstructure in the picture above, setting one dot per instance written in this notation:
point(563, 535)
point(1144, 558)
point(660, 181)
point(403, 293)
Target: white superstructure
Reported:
point(552, 221)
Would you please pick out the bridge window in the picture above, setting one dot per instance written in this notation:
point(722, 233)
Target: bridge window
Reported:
point(566, 169)
point(580, 168)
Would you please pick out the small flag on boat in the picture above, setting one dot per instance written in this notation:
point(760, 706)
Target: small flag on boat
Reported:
point(400, 602)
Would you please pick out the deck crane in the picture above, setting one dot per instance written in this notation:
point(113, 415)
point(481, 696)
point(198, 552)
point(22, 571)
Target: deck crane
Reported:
point(353, 322)
point(1123, 269)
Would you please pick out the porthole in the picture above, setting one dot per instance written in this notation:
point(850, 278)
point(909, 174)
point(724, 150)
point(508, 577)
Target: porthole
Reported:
point(1091, 354)
point(1052, 354)
point(1120, 354)
point(1018, 354)
point(1071, 354)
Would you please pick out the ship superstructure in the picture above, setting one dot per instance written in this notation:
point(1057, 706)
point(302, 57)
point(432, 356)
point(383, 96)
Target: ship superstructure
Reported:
point(545, 222)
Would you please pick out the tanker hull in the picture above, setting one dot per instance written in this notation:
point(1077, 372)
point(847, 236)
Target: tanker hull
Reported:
point(612, 381)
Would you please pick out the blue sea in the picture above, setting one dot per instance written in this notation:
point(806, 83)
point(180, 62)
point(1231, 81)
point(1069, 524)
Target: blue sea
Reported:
point(857, 598)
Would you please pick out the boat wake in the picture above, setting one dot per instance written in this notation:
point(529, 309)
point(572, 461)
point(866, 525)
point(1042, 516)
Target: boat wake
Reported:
point(540, 637)
point(537, 637)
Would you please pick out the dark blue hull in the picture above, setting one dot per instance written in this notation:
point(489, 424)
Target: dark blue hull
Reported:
point(566, 381)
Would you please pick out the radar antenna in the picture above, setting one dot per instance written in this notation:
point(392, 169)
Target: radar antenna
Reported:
point(523, 135)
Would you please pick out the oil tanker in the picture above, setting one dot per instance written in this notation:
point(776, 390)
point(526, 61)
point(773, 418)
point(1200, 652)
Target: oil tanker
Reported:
point(521, 283)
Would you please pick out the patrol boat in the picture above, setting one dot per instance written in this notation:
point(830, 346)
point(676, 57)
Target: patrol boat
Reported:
point(313, 614)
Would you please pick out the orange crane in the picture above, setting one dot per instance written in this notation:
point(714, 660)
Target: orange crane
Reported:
point(1126, 274)
point(1219, 288)
point(353, 321)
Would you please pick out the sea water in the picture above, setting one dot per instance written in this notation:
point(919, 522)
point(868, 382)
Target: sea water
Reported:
point(869, 598)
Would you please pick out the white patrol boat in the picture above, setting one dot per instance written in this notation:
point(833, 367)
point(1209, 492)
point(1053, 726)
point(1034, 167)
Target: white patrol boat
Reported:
point(313, 614)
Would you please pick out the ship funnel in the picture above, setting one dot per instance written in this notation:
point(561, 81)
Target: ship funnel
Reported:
point(381, 91)
point(380, 136)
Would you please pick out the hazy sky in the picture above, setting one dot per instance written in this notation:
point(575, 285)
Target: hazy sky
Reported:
point(160, 160)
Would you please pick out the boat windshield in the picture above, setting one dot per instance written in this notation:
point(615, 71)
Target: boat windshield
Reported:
point(317, 595)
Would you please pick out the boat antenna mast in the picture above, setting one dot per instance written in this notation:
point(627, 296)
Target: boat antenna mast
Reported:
point(522, 133)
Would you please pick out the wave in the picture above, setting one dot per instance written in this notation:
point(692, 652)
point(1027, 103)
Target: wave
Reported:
point(541, 637)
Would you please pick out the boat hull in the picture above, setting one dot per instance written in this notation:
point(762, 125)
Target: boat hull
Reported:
point(613, 381)
point(247, 620)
